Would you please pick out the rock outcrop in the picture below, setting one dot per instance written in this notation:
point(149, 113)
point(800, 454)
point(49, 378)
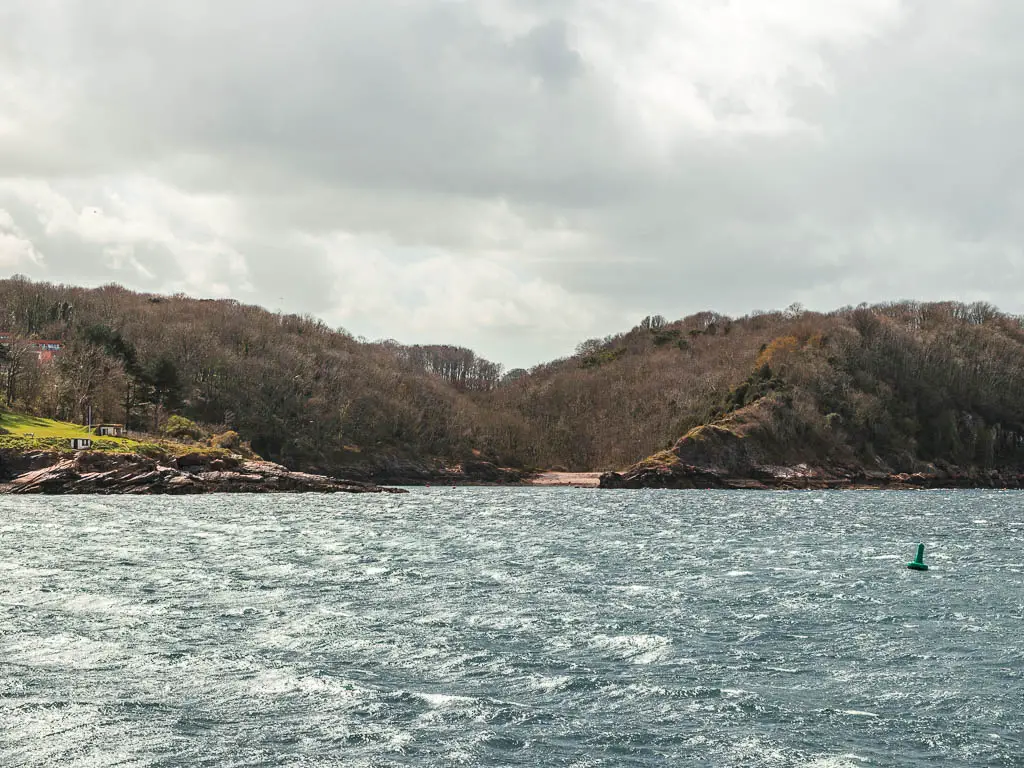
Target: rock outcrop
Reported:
point(14, 462)
point(667, 471)
point(112, 473)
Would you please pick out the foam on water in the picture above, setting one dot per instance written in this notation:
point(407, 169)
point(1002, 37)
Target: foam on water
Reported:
point(501, 627)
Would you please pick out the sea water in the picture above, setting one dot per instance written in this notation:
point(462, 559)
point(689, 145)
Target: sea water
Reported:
point(513, 627)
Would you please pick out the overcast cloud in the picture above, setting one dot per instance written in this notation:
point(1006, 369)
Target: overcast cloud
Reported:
point(516, 175)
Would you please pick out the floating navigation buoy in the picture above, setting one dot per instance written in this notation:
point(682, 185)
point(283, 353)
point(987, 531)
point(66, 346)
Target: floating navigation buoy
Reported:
point(918, 562)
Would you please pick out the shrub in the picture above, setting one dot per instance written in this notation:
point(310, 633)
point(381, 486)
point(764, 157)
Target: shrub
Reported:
point(602, 358)
point(663, 337)
point(779, 346)
point(229, 440)
point(151, 450)
point(179, 427)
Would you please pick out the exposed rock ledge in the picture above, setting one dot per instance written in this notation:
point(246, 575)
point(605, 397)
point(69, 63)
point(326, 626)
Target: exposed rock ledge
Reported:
point(109, 473)
point(802, 476)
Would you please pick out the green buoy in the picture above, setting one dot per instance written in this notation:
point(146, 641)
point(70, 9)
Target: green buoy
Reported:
point(918, 563)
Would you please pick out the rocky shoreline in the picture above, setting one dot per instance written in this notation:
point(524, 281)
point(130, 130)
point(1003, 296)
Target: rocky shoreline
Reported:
point(676, 475)
point(736, 455)
point(95, 472)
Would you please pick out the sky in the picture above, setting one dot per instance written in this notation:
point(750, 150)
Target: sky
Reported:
point(516, 175)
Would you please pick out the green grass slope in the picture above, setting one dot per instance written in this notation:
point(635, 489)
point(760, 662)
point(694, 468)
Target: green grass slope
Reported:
point(25, 432)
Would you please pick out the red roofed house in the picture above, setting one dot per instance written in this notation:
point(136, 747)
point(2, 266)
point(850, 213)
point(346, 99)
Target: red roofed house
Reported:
point(44, 349)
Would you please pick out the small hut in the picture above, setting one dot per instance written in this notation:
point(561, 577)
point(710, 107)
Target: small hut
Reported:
point(80, 443)
point(110, 430)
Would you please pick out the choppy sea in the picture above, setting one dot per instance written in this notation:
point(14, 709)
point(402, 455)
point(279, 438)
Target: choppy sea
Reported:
point(513, 627)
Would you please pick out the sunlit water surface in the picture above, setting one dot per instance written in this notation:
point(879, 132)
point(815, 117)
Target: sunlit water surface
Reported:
point(513, 627)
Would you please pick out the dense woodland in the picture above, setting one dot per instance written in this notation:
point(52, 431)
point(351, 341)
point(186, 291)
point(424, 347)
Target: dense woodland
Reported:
point(896, 384)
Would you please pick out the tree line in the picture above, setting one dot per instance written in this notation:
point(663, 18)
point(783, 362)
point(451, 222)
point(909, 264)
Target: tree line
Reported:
point(899, 382)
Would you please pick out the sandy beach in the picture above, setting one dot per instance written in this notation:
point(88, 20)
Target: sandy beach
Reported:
point(572, 479)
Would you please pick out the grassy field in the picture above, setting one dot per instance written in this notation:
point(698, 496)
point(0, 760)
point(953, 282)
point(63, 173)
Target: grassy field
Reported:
point(20, 425)
point(26, 433)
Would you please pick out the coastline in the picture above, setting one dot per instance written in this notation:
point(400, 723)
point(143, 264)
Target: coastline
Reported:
point(681, 476)
point(88, 472)
point(99, 472)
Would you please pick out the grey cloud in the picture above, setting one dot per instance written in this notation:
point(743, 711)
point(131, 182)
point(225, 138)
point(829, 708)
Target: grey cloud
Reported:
point(388, 95)
point(493, 132)
point(548, 49)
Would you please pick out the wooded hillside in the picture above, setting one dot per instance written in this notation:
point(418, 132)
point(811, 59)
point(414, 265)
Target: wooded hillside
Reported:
point(302, 393)
point(891, 385)
point(900, 383)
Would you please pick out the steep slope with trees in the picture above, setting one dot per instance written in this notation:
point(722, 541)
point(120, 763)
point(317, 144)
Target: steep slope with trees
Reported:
point(300, 392)
point(896, 387)
point(928, 389)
